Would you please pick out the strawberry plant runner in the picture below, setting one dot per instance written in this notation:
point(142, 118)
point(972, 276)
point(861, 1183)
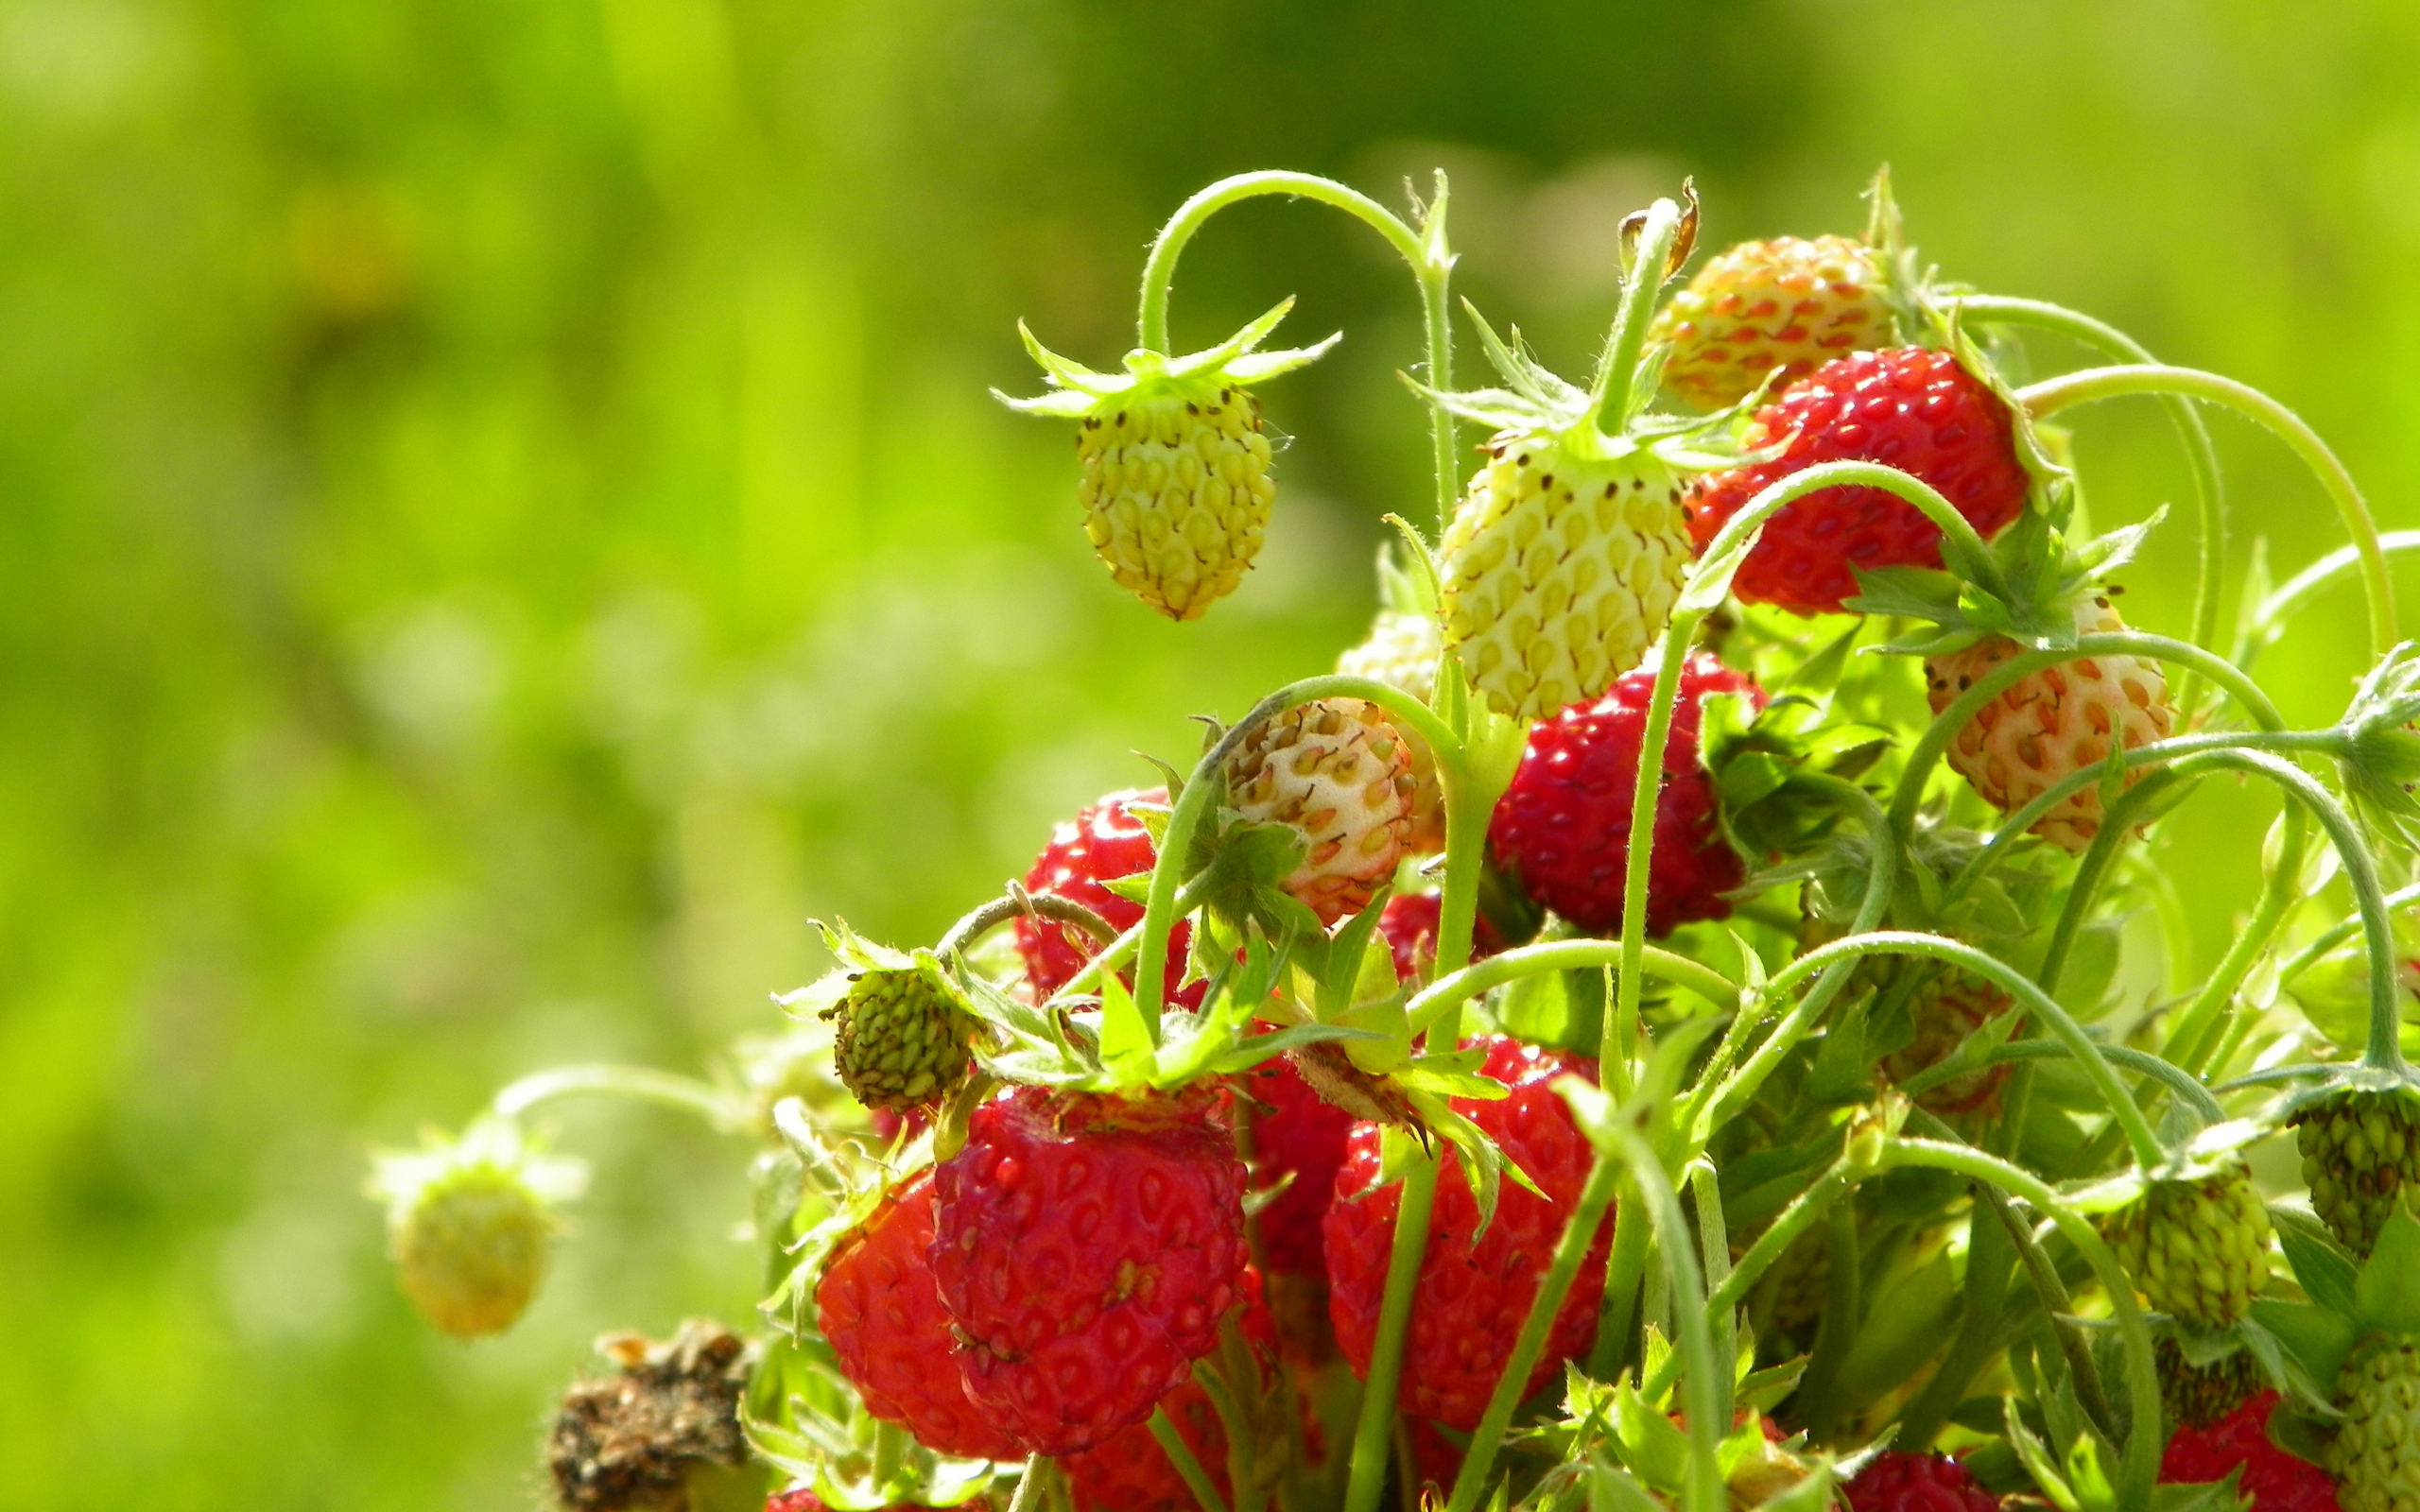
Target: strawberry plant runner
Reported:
point(1658, 1027)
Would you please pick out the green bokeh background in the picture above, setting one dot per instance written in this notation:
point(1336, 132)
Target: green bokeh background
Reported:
point(501, 521)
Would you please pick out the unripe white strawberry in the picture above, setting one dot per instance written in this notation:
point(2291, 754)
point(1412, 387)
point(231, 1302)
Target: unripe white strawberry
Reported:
point(1402, 650)
point(1340, 774)
point(1176, 486)
point(471, 1223)
point(1561, 567)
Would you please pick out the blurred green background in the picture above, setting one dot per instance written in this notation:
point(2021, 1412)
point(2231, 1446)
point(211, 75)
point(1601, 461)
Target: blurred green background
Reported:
point(500, 522)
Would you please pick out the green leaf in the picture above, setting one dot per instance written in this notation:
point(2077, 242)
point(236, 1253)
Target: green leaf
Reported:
point(1842, 1072)
point(2326, 1273)
point(1654, 1448)
point(2386, 1294)
point(2314, 1338)
point(2036, 1459)
point(1126, 1047)
point(2089, 1474)
point(2212, 1496)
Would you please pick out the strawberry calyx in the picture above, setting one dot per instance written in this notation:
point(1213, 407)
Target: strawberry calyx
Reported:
point(1079, 392)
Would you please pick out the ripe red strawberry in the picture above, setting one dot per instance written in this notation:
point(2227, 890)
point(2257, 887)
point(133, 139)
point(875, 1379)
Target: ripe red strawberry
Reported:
point(2276, 1481)
point(1907, 407)
point(1564, 826)
point(1473, 1289)
point(1409, 926)
point(1295, 1132)
point(880, 1310)
point(1086, 1245)
point(804, 1499)
point(1897, 1481)
point(1099, 845)
point(1128, 1472)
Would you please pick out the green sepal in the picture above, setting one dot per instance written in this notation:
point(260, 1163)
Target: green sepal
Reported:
point(2381, 759)
point(2386, 1294)
point(2322, 1266)
point(2038, 585)
point(1078, 390)
point(2301, 1347)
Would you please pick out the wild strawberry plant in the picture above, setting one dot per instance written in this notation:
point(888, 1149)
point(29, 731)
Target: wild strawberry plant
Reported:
point(1644, 1032)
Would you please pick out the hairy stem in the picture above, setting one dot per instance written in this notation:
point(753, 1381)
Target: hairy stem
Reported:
point(2201, 456)
point(2049, 397)
point(1587, 1216)
point(724, 1111)
point(1424, 250)
point(2140, 1466)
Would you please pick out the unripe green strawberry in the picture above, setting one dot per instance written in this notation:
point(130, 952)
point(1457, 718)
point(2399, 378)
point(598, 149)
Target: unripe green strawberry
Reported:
point(2377, 1453)
point(902, 1026)
point(1561, 567)
point(1786, 304)
point(471, 1223)
point(2198, 1247)
point(2361, 1153)
point(1175, 488)
point(900, 1038)
point(1402, 650)
point(1338, 772)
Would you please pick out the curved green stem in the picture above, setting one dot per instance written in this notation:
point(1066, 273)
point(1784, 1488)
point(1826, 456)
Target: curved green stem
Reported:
point(2049, 397)
point(2201, 456)
point(2015, 825)
point(2265, 623)
point(1709, 580)
point(1424, 250)
point(1708, 1384)
point(1563, 955)
point(1720, 1093)
point(2175, 1078)
point(2338, 934)
point(1159, 913)
point(1937, 736)
point(2140, 1466)
point(1648, 267)
point(1579, 1234)
point(1189, 1468)
point(2385, 1050)
point(1018, 903)
point(639, 1083)
point(1769, 1247)
point(2035, 1001)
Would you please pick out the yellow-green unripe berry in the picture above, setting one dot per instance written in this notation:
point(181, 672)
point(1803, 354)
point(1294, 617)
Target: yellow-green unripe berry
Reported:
point(2375, 1456)
point(1560, 570)
point(2199, 1248)
point(1175, 491)
point(471, 1225)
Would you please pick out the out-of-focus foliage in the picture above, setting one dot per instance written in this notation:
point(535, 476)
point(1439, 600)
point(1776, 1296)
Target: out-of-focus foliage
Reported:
point(500, 521)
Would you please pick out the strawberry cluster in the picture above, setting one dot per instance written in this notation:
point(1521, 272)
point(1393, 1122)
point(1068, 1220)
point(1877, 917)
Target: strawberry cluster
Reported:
point(1620, 1039)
